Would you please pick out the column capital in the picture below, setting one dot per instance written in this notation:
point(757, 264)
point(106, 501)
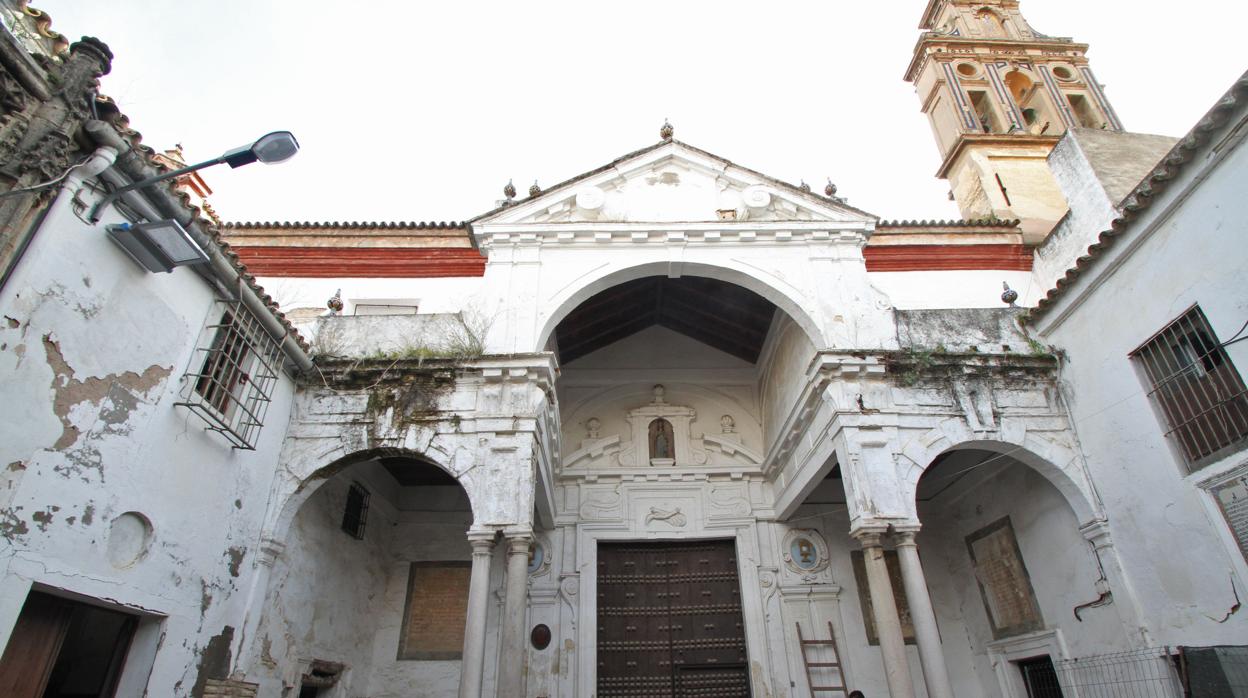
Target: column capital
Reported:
point(870, 538)
point(481, 541)
point(519, 544)
point(905, 536)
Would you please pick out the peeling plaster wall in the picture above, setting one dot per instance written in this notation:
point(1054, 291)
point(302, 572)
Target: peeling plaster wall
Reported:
point(1154, 507)
point(989, 331)
point(1059, 562)
point(92, 349)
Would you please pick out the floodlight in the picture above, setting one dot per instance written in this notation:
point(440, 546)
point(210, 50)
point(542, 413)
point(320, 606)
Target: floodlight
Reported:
point(157, 246)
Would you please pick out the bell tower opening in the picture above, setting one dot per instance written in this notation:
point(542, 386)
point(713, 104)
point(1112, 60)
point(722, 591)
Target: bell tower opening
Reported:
point(999, 96)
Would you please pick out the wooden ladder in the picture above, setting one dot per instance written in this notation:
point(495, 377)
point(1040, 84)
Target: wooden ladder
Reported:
point(836, 664)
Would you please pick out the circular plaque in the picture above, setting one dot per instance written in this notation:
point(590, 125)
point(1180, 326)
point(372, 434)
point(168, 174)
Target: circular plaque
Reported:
point(540, 637)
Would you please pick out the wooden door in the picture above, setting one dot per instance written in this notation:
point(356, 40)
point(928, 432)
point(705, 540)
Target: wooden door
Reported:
point(669, 621)
point(34, 645)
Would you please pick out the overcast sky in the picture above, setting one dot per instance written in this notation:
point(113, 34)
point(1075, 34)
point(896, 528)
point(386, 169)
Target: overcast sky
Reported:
point(422, 110)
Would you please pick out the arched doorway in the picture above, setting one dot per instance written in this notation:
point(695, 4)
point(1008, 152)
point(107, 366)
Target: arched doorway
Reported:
point(369, 593)
point(1014, 582)
point(668, 393)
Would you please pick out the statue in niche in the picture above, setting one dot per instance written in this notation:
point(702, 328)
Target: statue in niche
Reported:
point(661, 440)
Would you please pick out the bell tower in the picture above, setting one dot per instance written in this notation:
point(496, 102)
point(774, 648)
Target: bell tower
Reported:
point(999, 96)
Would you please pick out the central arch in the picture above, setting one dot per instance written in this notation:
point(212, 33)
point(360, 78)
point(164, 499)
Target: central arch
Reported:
point(785, 297)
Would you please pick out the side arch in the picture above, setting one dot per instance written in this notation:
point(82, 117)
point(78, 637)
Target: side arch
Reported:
point(787, 298)
point(293, 500)
point(1057, 463)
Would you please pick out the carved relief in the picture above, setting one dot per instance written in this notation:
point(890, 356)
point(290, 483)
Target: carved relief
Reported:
point(539, 558)
point(672, 517)
point(805, 553)
point(728, 502)
point(601, 504)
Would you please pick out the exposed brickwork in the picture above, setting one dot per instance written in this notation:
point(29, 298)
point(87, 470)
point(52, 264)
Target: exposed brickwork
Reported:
point(225, 688)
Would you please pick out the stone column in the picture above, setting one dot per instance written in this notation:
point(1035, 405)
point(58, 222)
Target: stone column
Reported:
point(935, 673)
point(513, 648)
point(478, 602)
point(887, 622)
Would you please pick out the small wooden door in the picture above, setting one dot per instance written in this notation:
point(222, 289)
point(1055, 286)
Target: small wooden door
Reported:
point(669, 621)
point(65, 649)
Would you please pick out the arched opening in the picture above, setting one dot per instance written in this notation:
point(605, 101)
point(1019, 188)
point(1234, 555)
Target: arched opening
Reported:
point(662, 366)
point(676, 384)
point(1009, 572)
point(599, 281)
point(1029, 96)
point(990, 23)
point(368, 595)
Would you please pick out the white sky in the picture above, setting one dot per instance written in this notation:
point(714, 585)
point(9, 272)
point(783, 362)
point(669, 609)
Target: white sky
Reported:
point(422, 110)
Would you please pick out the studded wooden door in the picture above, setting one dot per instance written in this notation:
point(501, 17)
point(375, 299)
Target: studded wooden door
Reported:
point(669, 621)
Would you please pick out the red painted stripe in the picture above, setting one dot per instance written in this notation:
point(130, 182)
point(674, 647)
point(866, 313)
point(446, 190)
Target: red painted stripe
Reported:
point(947, 257)
point(361, 262)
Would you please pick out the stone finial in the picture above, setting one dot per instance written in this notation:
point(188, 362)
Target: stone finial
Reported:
point(804, 186)
point(335, 302)
point(830, 189)
point(659, 392)
point(1010, 295)
point(593, 425)
point(535, 189)
point(727, 424)
point(666, 131)
point(509, 191)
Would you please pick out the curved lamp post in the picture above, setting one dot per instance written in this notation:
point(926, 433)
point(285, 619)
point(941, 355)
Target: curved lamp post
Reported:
point(275, 147)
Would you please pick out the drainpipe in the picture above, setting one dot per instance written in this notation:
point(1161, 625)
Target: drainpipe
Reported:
point(156, 203)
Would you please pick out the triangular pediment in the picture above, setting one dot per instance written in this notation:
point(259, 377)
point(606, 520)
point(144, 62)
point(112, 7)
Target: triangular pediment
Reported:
point(673, 182)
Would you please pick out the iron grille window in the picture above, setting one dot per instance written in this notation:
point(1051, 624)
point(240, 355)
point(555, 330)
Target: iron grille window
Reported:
point(1040, 677)
point(355, 516)
point(1197, 387)
point(237, 372)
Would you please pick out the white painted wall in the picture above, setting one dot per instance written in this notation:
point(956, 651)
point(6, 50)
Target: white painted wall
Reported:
point(435, 295)
point(914, 290)
point(127, 336)
point(1187, 249)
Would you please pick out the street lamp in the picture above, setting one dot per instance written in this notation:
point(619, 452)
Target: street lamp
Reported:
point(271, 148)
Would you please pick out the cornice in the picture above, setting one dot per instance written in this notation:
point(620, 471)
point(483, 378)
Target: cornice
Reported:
point(929, 39)
point(968, 140)
point(662, 234)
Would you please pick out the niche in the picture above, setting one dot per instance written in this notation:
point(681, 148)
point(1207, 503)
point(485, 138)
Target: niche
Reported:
point(662, 441)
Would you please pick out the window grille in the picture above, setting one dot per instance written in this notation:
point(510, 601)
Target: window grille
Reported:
point(1197, 387)
point(237, 372)
point(355, 516)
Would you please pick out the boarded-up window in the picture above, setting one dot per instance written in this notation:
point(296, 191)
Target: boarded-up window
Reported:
point(1232, 497)
point(436, 611)
point(899, 595)
point(1003, 580)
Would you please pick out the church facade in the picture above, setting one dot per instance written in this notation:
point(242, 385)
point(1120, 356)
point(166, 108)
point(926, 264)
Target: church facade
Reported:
point(671, 427)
